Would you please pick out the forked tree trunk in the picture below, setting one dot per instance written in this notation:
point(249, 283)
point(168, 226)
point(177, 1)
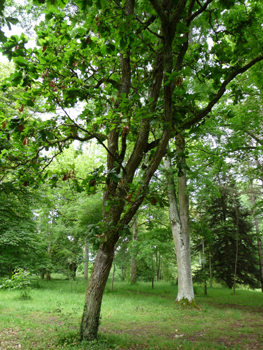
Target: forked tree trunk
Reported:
point(115, 219)
point(181, 235)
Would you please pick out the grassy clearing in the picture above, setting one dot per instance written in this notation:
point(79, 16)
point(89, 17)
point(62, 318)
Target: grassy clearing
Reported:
point(133, 317)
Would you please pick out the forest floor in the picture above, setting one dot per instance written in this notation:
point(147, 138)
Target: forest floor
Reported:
point(133, 317)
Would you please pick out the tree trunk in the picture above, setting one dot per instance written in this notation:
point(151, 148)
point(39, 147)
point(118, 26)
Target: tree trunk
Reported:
point(210, 270)
point(133, 259)
point(72, 270)
point(181, 235)
point(91, 315)
point(42, 273)
point(152, 273)
point(112, 278)
point(86, 260)
point(237, 242)
point(115, 219)
point(158, 265)
point(48, 277)
point(204, 267)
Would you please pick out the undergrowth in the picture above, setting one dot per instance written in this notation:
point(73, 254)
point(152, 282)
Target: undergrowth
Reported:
point(133, 317)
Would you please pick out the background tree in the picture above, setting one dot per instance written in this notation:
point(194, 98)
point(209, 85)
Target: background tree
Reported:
point(20, 243)
point(233, 245)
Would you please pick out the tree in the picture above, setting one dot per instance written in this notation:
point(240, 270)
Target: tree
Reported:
point(66, 228)
point(135, 61)
point(20, 244)
point(179, 220)
point(233, 246)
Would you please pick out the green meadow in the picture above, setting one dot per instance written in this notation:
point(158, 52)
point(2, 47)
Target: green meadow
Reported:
point(132, 317)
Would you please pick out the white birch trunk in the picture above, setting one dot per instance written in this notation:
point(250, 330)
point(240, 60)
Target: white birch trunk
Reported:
point(181, 234)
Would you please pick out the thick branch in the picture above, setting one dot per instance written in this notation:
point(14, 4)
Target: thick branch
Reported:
point(158, 8)
point(220, 93)
point(143, 134)
point(202, 9)
point(152, 145)
point(177, 15)
point(107, 80)
point(97, 136)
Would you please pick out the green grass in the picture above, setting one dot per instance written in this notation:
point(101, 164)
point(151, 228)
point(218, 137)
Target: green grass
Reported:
point(133, 317)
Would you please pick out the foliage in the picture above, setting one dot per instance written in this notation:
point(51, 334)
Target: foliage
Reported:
point(5, 21)
point(18, 281)
point(230, 227)
point(20, 244)
point(78, 60)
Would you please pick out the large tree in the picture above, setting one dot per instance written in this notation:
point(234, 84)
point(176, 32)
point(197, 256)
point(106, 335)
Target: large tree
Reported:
point(136, 62)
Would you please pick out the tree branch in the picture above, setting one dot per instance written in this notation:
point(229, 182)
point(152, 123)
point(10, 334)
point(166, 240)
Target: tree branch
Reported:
point(156, 5)
point(220, 93)
point(202, 9)
point(254, 136)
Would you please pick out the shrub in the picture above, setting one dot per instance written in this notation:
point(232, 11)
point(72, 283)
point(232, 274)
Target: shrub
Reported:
point(18, 281)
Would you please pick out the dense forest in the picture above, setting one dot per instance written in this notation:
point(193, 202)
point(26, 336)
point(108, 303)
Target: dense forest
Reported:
point(131, 143)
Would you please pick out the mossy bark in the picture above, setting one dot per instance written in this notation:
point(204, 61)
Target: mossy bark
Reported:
point(185, 303)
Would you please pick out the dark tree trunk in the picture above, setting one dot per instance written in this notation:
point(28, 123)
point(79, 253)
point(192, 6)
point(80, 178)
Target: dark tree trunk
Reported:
point(42, 273)
point(48, 277)
point(73, 269)
point(91, 315)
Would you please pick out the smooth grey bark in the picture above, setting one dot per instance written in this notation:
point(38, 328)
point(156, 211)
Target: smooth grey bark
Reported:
point(86, 260)
point(179, 220)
